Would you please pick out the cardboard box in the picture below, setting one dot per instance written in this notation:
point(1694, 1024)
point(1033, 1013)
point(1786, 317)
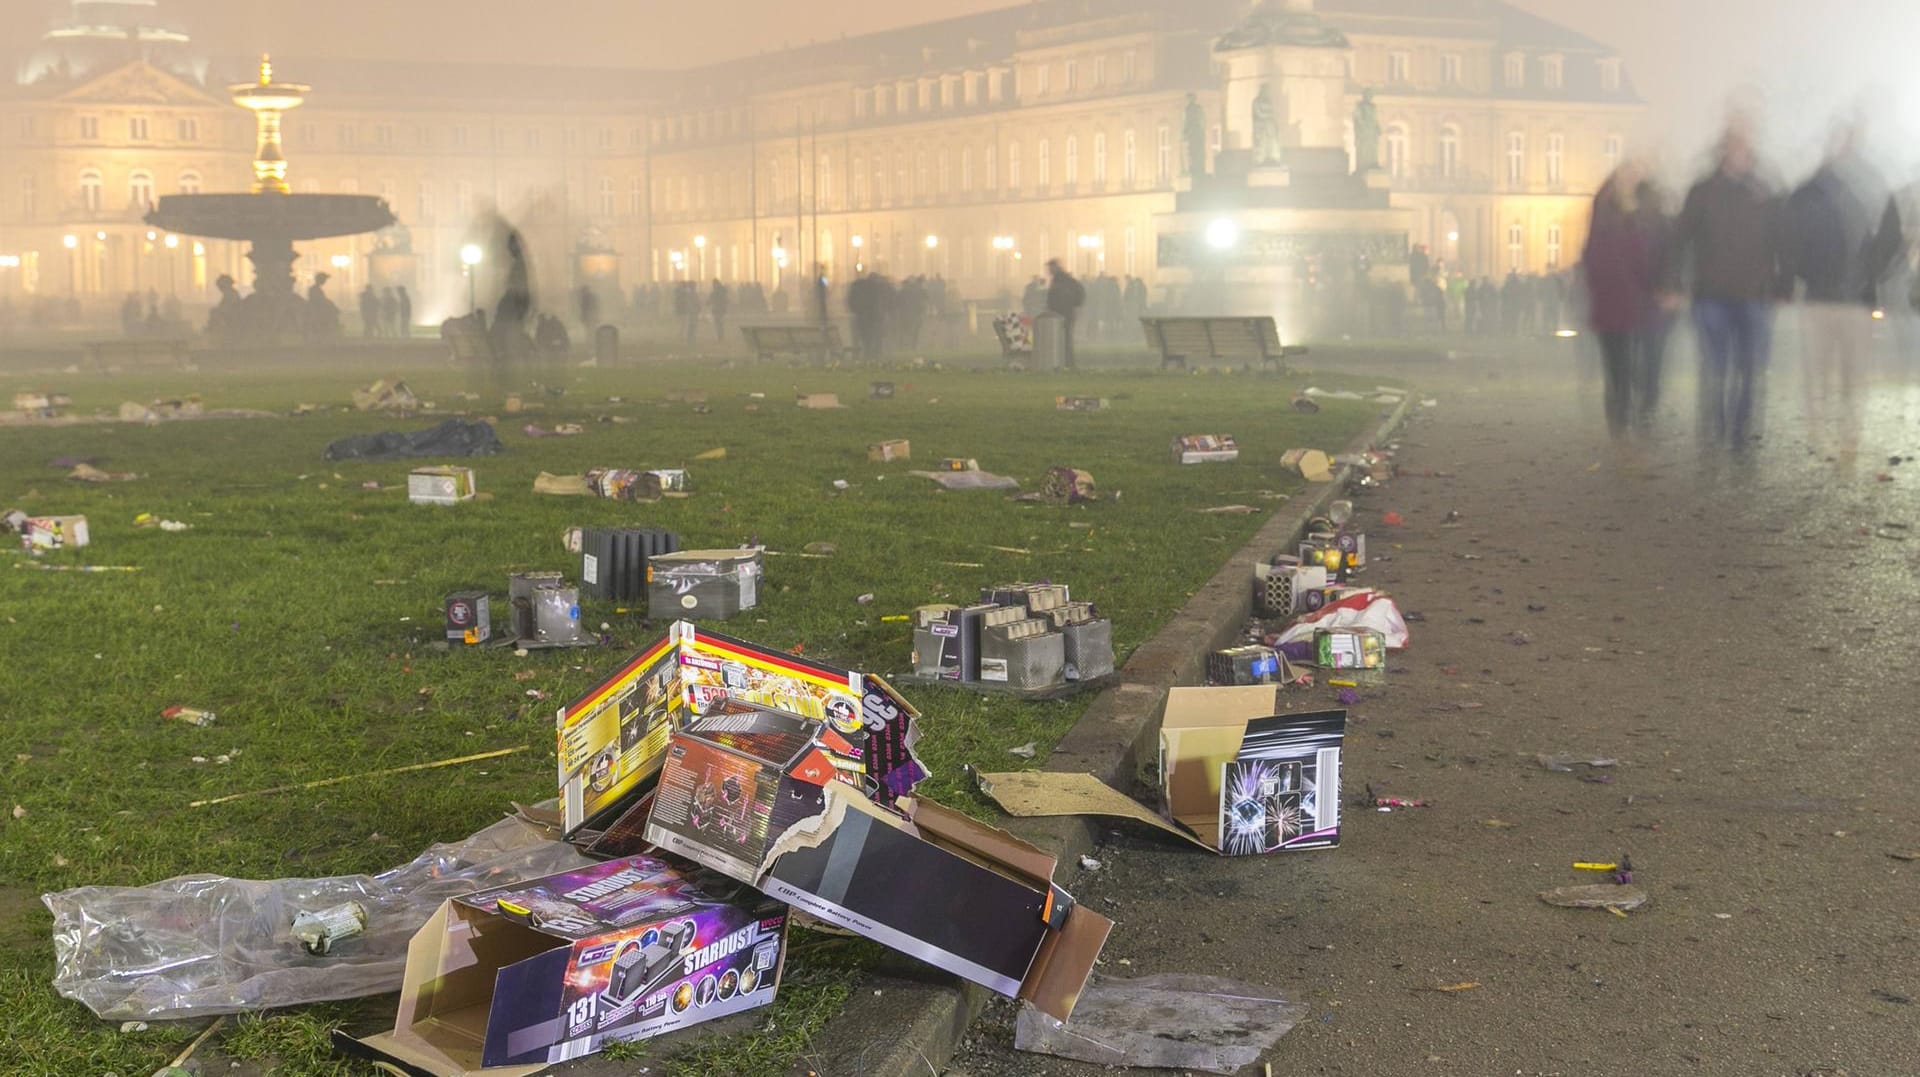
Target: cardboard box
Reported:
point(520, 589)
point(440, 485)
point(885, 452)
point(613, 560)
point(1349, 648)
point(1247, 779)
point(53, 532)
point(740, 776)
point(714, 584)
point(935, 885)
point(468, 621)
point(510, 980)
point(612, 740)
point(1205, 448)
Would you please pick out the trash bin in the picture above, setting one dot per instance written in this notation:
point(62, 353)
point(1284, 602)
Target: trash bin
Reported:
point(606, 346)
point(1049, 341)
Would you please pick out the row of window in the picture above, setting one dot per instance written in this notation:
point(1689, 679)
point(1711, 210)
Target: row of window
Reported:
point(881, 180)
point(1398, 160)
point(1553, 70)
point(141, 190)
point(1001, 256)
point(1517, 247)
point(139, 128)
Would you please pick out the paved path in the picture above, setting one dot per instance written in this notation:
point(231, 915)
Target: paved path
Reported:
point(1740, 637)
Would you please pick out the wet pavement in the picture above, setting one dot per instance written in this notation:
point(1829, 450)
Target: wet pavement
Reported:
point(1738, 635)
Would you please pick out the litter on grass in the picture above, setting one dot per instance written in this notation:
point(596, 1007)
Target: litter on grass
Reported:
point(1173, 1022)
point(205, 944)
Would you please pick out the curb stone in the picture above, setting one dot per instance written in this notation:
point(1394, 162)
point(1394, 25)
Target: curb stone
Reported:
point(915, 1024)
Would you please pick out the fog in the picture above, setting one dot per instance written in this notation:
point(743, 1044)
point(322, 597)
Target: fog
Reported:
point(1807, 63)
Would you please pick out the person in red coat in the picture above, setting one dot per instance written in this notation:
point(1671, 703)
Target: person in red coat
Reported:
point(1621, 269)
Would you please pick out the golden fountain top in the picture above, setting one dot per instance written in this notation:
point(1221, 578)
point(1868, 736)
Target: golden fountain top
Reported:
point(267, 99)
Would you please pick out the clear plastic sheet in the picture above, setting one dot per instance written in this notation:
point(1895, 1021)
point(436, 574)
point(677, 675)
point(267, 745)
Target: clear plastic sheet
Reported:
point(1173, 1021)
point(196, 945)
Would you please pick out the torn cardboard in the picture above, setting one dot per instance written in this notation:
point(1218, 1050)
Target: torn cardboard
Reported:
point(508, 981)
point(1236, 776)
point(886, 452)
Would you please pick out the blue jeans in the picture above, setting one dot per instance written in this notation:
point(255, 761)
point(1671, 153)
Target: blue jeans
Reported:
point(1735, 337)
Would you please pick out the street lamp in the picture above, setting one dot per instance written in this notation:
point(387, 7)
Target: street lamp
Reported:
point(933, 241)
point(71, 241)
point(1222, 233)
point(700, 244)
point(470, 256)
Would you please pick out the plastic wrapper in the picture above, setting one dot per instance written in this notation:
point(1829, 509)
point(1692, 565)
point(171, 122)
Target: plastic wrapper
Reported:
point(196, 945)
point(1175, 1022)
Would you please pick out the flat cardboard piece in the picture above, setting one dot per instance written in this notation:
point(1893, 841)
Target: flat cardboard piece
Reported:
point(1026, 794)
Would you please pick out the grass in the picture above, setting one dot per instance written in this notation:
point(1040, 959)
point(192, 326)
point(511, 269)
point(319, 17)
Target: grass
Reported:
point(304, 609)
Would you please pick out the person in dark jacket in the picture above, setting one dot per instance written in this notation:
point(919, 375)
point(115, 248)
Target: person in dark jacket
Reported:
point(1620, 273)
point(1839, 243)
point(1065, 296)
point(1728, 236)
point(1650, 349)
point(718, 299)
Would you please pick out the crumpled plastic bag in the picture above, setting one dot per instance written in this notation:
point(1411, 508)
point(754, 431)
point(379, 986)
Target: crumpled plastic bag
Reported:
point(1173, 1022)
point(455, 437)
point(1365, 608)
point(969, 480)
point(197, 945)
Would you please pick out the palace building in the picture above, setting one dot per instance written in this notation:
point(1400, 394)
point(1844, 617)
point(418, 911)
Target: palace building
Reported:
point(974, 147)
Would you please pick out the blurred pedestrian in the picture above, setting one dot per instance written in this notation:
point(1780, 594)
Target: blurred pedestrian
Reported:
point(718, 300)
point(1836, 249)
point(1650, 349)
point(1620, 274)
point(589, 304)
point(403, 313)
point(1728, 237)
point(1065, 296)
point(369, 312)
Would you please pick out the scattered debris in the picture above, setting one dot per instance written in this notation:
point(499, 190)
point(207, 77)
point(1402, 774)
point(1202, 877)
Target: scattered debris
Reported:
point(1565, 764)
point(1088, 863)
point(563, 485)
point(384, 395)
point(1310, 464)
point(318, 931)
point(1228, 510)
point(322, 782)
point(189, 715)
point(1025, 751)
point(1466, 985)
point(1596, 896)
point(454, 437)
point(712, 454)
point(1174, 1022)
point(969, 480)
point(84, 472)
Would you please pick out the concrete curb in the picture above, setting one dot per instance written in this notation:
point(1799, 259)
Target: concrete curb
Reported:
point(918, 1022)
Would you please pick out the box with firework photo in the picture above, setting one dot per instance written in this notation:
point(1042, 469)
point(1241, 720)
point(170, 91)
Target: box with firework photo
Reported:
point(518, 977)
point(1244, 777)
point(740, 775)
point(613, 738)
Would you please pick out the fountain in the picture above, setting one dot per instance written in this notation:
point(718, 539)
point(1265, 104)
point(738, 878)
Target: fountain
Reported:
point(272, 217)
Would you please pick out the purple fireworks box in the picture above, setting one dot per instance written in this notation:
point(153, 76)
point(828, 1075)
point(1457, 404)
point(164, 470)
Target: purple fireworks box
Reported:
point(510, 980)
point(1246, 778)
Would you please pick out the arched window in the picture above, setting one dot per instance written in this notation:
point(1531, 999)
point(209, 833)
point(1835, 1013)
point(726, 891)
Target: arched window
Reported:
point(1073, 159)
point(90, 189)
point(1397, 150)
point(189, 182)
point(1516, 158)
point(607, 200)
point(826, 179)
point(1449, 151)
point(1516, 247)
point(1013, 166)
point(1163, 155)
point(1043, 171)
point(1100, 158)
point(1129, 166)
point(1556, 156)
point(1553, 247)
point(140, 189)
point(966, 170)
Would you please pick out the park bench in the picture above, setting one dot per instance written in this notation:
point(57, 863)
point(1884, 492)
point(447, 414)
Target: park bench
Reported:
point(806, 341)
point(170, 351)
point(1245, 340)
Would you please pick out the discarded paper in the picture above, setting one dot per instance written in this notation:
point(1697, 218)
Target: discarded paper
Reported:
point(1173, 1022)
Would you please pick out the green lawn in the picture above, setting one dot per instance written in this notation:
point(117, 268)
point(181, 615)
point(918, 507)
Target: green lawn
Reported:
point(303, 608)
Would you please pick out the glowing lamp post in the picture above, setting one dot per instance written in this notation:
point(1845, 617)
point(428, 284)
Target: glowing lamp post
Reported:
point(470, 256)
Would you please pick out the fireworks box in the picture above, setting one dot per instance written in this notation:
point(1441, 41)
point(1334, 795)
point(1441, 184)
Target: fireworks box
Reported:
point(468, 621)
point(947, 642)
point(613, 560)
point(556, 616)
point(739, 776)
point(613, 739)
point(886, 452)
point(1244, 778)
point(510, 980)
point(1087, 639)
point(1251, 664)
point(520, 588)
point(1286, 587)
point(1021, 652)
point(957, 463)
point(710, 584)
point(1339, 552)
point(1079, 403)
point(1204, 448)
point(53, 532)
point(1349, 648)
point(440, 485)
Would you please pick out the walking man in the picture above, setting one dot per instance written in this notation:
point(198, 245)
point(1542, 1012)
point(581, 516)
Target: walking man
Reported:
point(1065, 296)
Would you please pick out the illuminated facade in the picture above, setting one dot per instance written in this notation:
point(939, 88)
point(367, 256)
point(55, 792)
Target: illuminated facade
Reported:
point(975, 147)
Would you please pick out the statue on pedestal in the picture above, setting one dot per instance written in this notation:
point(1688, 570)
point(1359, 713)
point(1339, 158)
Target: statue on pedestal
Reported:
point(1270, 23)
point(1266, 129)
point(1366, 133)
point(1193, 137)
